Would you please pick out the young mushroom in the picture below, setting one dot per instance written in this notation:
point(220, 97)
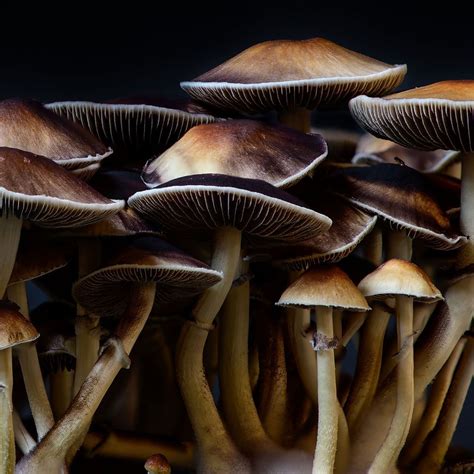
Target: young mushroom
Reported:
point(325, 289)
point(157, 464)
point(405, 282)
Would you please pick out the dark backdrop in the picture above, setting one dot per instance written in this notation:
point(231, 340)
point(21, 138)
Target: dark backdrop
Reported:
point(94, 51)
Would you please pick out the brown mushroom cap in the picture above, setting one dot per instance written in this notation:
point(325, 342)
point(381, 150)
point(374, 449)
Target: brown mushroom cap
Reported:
point(27, 125)
point(37, 189)
point(399, 277)
point(210, 201)
point(245, 148)
point(373, 150)
point(324, 286)
point(439, 115)
point(147, 259)
point(157, 464)
point(137, 127)
point(400, 195)
point(86, 173)
point(15, 329)
point(287, 74)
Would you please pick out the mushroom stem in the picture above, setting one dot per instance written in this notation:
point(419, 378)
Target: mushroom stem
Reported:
point(299, 119)
point(400, 425)
point(52, 449)
point(217, 451)
point(356, 320)
point(438, 442)
point(10, 230)
point(61, 384)
point(435, 403)
point(466, 254)
point(7, 442)
point(30, 369)
point(399, 245)
point(369, 361)
point(328, 405)
point(23, 439)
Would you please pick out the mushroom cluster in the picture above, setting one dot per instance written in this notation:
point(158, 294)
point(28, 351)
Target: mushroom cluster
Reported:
point(234, 261)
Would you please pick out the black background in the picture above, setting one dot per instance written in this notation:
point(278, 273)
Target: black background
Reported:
point(95, 51)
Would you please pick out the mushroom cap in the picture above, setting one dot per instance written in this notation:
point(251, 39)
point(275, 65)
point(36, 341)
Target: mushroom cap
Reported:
point(350, 226)
point(15, 329)
point(244, 148)
point(373, 150)
point(210, 201)
point(157, 464)
point(147, 259)
point(27, 125)
point(39, 190)
point(86, 173)
point(139, 128)
point(37, 256)
point(399, 278)
point(400, 195)
point(287, 74)
point(439, 115)
point(324, 286)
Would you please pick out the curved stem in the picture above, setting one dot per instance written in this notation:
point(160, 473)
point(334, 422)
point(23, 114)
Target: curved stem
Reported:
point(7, 442)
point(438, 442)
point(369, 361)
point(355, 322)
point(23, 439)
point(31, 371)
point(50, 452)
point(299, 119)
point(396, 436)
point(466, 254)
point(328, 405)
point(435, 403)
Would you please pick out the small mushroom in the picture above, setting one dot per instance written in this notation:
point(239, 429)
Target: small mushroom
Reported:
point(157, 464)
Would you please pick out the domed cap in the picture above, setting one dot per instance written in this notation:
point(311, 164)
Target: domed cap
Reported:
point(245, 148)
point(349, 227)
point(147, 259)
point(157, 464)
point(138, 128)
point(287, 74)
point(27, 125)
point(14, 328)
point(397, 278)
point(39, 190)
point(210, 201)
point(324, 286)
point(373, 150)
point(400, 195)
point(439, 115)
point(37, 255)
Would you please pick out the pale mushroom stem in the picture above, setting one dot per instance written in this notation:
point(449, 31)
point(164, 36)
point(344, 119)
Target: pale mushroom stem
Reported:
point(10, 231)
point(369, 361)
point(61, 384)
point(217, 451)
point(52, 449)
point(435, 403)
point(399, 245)
point(392, 445)
point(466, 254)
point(298, 119)
point(328, 405)
point(439, 440)
point(7, 441)
point(23, 439)
point(30, 369)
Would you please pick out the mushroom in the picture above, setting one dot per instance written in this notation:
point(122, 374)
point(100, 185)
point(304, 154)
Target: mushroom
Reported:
point(230, 206)
point(292, 77)
point(157, 464)
point(15, 331)
point(406, 282)
point(325, 289)
point(130, 283)
point(27, 125)
point(244, 148)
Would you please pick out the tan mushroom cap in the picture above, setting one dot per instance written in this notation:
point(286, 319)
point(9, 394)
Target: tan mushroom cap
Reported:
point(373, 150)
point(15, 329)
point(439, 115)
point(286, 74)
point(324, 286)
point(210, 201)
point(148, 259)
point(27, 125)
point(399, 278)
point(245, 148)
point(37, 189)
point(157, 464)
